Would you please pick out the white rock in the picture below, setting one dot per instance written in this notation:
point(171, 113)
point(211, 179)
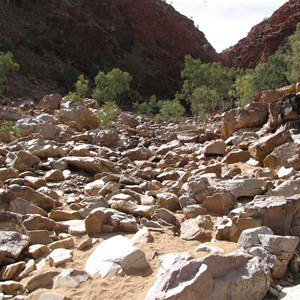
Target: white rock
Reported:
point(60, 256)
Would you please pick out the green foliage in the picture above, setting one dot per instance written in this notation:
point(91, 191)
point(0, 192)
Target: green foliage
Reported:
point(170, 110)
point(110, 85)
point(6, 64)
point(199, 77)
point(294, 58)
point(107, 114)
point(244, 88)
point(81, 86)
point(147, 108)
point(10, 126)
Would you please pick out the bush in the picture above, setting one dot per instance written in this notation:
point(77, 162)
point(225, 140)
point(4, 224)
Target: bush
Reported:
point(110, 85)
point(107, 114)
point(10, 126)
point(81, 86)
point(6, 64)
point(147, 108)
point(199, 77)
point(170, 110)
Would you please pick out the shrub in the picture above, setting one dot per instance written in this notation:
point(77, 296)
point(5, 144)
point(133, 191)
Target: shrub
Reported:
point(81, 86)
point(6, 64)
point(147, 108)
point(110, 85)
point(170, 110)
point(107, 114)
point(10, 126)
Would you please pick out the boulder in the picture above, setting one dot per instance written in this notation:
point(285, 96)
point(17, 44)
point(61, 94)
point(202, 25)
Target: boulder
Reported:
point(216, 147)
point(199, 228)
point(236, 156)
point(24, 160)
point(70, 278)
point(265, 145)
point(252, 115)
point(139, 153)
point(41, 280)
point(60, 256)
point(115, 255)
point(169, 201)
point(220, 203)
point(24, 207)
point(51, 102)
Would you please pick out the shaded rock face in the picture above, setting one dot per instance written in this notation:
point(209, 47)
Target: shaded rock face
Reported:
point(264, 39)
point(148, 38)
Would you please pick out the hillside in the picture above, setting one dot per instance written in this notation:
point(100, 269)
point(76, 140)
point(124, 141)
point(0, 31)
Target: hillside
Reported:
point(264, 38)
point(55, 41)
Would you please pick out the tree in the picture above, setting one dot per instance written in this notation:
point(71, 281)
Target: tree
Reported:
point(6, 64)
point(112, 84)
point(199, 77)
point(170, 110)
point(294, 57)
point(81, 86)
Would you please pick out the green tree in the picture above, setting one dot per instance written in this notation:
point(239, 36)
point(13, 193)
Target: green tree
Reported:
point(149, 107)
point(293, 59)
point(112, 84)
point(107, 114)
point(170, 110)
point(210, 76)
point(6, 64)
point(244, 88)
point(81, 86)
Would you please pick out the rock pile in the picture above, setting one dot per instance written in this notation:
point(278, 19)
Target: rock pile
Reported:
point(67, 185)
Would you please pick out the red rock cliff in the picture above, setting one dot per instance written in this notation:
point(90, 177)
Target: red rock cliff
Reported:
point(264, 39)
point(56, 40)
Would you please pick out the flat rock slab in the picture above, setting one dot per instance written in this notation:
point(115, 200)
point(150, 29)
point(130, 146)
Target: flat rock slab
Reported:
point(115, 255)
point(60, 256)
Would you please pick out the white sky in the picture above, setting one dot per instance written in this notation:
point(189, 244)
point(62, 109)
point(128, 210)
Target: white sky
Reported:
point(225, 22)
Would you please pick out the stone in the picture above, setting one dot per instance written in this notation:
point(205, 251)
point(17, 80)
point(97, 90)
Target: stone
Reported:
point(70, 278)
point(79, 113)
point(265, 145)
point(209, 248)
point(6, 173)
point(90, 165)
point(106, 138)
point(115, 255)
point(64, 215)
point(287, 188)
point(41, 280)
point(139, 153)
point(42, 150)
point(143, 236)
point(34, 182)
point(236, 156)
point(181, 277)
point(39, 237)
point(24, 207)
point(64, 243)
point(52, 296)
point(249, 237)
point(285, 172)
point(169, 201)
point(75, 227)
point(252, 115)
point(10, 221)
point(11, 271)
point(38, 251)
point(60, 256)
point(41, 200)
point(10, 287)
point(51, 102)
point(86, 243)
point(12, 244)
point(199, 228)
point(193, 211)
point(216, 147)
point(24, 160)
point(220, 203)
point(30, 267)
point(54, 176)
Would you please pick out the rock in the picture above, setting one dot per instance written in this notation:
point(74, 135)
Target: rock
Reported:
point(249, 187)
point(249, 237)
point(60, 256)
point(181, 277)
point(88, 242)
point(237, 155)
point(30, 267)
point(90, 165)
point(54, 176)
point(11, 271)
point(24, 207)
point(128, 119)
point(75, 227)
point(138, 154)
point(165, 148)
point(63, 215)
point(52, 296)
point(6, 173)
point(115, 255)
point(194, 210)
point(221, 203)
point(285, 172)
point(252, 115)
point(106, 138)
point(287, 188)
point(29, 194)
point(34, 182)
point(10, 221)
point(12, 244)
point(265, 145)
point(41, 280)
point(51, 102)
point(168, 200)
point(143, 236)
point(40, 237)
point(216, 147)
point(286, 155)
point(284, 110)
point(79, 113)
point(10, 287)
point(38, 250)
point(197, 229)
point(43, 150)
point(209, 248)
point(24, 160)
point(70, 278)
point(64, 243)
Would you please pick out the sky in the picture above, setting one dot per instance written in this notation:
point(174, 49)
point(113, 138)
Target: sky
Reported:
point(225, 22)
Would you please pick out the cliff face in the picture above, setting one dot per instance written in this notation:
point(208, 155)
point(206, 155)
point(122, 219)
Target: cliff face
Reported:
point(264, 39)
point(56, 40)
